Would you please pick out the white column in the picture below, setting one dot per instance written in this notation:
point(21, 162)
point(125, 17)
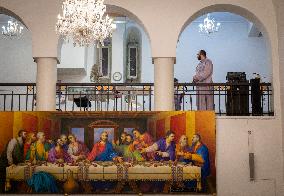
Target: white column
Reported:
point(164, 84)
point(46, 83)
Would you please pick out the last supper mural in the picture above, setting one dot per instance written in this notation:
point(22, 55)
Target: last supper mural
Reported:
point(107, 152)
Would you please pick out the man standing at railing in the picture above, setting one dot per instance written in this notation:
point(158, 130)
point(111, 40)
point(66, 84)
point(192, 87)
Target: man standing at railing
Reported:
point(204, 72)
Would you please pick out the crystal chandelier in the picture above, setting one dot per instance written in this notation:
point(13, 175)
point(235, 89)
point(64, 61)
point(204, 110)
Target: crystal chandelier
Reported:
point(209, 25)
point(84, 22)
point(13, 28)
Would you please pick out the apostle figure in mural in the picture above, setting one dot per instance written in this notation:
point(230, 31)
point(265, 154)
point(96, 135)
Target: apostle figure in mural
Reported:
point(142, 140)
point(204, 72)
point(103, 150)
point(76, 149)
point(183, 150)
point(12, 155)
point(122, 139)
point(15, 149)
point(129, 153)
point(164, 148)
point(200, 156)
point(39, 150)
point(57, 154)
point(31, 138)
point(120, 144)
point(64, 141)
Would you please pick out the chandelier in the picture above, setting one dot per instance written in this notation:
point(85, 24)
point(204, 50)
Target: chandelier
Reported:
point(85, 22)
point(209, 25)
point(12, 29)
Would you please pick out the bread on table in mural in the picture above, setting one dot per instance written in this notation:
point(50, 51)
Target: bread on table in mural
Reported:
point(108, 152)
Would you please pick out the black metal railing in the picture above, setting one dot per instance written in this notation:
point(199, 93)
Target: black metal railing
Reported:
point(236, 99)
point(228, 99)
point(105, 97)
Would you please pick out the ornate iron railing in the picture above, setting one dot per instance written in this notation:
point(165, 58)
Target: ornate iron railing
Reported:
point(237, 99)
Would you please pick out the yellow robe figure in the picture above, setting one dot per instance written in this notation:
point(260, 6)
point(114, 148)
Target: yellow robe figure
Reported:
point(38, 151)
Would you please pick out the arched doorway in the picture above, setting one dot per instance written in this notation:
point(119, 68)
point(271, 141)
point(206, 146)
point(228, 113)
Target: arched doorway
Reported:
point(240, 48)
point(109, 64)
point(16, 63)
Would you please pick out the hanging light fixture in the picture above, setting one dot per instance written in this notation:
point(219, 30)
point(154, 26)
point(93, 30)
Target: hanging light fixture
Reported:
point(85, 22)
point(13, 29)
point(209, 25)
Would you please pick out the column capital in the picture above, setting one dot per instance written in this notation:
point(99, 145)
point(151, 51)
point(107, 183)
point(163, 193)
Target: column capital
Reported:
point(154, 58)
point(56, 58)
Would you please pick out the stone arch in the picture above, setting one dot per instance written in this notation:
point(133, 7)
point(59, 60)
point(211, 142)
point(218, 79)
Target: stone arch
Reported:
point(235, 9)
point(249, 15)
point(12, 14)
point(115, 11)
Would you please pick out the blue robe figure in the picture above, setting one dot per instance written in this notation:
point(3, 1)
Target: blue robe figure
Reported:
point(199, 151)
point(202, 151)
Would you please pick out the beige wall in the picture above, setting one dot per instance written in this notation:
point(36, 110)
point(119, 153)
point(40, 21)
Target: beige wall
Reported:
point(279, 7)
point(233, 156)
point(163, 21)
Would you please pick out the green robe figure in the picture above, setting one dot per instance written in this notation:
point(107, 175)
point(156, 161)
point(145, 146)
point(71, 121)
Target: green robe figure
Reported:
point(39, 150)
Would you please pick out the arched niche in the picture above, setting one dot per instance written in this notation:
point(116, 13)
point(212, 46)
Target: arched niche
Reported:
point(133, 51)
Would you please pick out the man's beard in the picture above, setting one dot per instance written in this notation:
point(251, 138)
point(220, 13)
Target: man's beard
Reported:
point(199, 58)
point(183, 144)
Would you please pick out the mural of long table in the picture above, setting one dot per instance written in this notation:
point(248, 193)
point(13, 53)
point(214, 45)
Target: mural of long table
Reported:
point(124, 172)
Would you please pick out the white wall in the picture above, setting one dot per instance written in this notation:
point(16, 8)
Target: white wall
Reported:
point(16, 60)
point(72, 57)
point(76, 57)
point(230, 49)
point(232, 156)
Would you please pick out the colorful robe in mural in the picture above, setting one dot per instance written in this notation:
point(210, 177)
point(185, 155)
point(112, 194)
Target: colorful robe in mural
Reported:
point(78, 150)
point(143, 142)
point(102, 152)
point(128, 152)
point(200, 157)
point(186, 153)
point(168, 152)
point(58, 153)
point(205, 98)
point(27, 146)
point(38, 151)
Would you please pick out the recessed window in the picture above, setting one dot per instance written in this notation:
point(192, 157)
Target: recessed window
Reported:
point(98, 132)
point(105, 61)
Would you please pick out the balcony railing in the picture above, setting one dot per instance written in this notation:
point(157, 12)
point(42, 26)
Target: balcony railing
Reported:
point(237, 99)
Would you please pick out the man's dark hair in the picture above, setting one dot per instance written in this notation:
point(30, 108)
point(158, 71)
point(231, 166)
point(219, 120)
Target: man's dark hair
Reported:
point(199, 137)
point(169, 133)
point(130, 136)
point(202, 52)
point(20, 133)
point(136, 129)
point(175, 80)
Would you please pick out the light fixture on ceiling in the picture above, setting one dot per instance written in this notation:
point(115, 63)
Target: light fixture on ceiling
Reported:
point(13, 29)
point(209, 25)
point(85, 22)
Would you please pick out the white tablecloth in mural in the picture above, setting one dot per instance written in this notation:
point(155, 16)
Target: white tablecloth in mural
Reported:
point(145, 171)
